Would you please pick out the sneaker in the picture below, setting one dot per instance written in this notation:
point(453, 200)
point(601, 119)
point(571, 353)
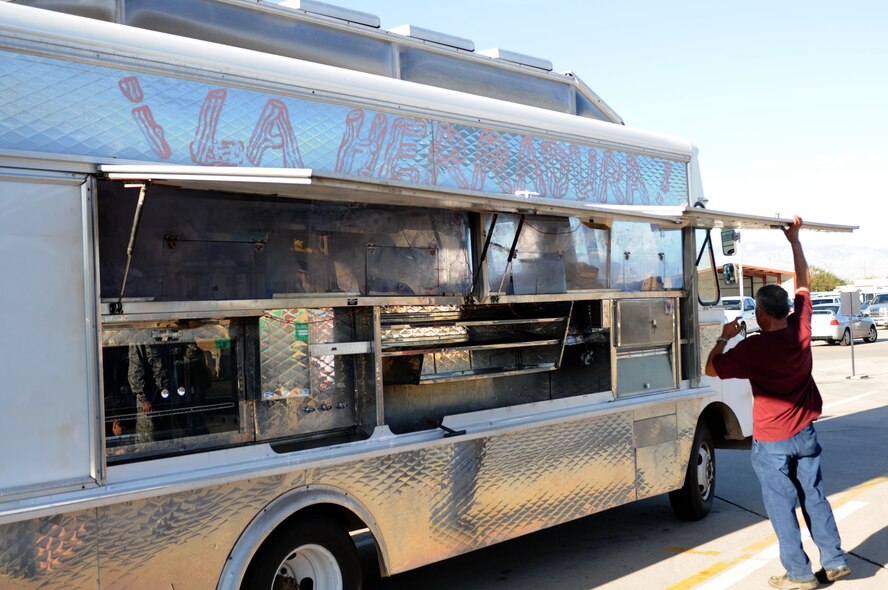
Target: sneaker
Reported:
point(784, 582)
point(843, 571)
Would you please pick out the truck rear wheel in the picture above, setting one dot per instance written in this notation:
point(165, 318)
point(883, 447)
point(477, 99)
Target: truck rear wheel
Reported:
point(308, 555)
point(694, 500)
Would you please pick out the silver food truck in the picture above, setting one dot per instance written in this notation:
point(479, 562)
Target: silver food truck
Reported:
point(274, 278)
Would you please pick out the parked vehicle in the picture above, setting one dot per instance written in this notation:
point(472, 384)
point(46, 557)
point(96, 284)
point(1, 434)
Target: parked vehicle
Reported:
point(826, 298)
point(829, 324)
point(878, 309)
point(255, 305)
point(746, 315)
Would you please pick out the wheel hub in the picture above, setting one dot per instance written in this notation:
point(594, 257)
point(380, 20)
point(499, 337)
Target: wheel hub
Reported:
point(705, 472)
point(309, 567)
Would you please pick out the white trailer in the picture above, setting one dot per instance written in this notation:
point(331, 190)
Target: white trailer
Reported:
point(273, 278)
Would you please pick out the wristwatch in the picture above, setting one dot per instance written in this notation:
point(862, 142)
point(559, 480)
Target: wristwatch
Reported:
point(721, 339)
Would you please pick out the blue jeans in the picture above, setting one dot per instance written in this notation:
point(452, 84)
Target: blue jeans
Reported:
point(789, 472)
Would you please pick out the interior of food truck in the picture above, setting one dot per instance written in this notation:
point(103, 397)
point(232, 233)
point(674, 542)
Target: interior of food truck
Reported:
point(236, 318)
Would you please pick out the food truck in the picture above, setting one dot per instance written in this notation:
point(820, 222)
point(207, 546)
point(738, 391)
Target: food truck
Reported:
point(275, 278)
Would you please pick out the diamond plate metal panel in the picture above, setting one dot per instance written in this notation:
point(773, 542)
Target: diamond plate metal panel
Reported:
point(408, 334)
point(448, 362)
point(301, 393)
point(658, 469)
point(54, 552)
point(58, 106)
point(321, 328)
point(687, 415)
point(493, 488)
point(657, 453)
point(430, 503)
point(284, 372)
point(283, 356)
point(140, 540)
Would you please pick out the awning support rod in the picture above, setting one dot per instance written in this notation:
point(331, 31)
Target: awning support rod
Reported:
point(484, 250)
point(117, 308)
point(511, 252)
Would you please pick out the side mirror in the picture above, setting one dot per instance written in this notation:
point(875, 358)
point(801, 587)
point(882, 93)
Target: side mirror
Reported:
point(729, 236)
point(729, 274)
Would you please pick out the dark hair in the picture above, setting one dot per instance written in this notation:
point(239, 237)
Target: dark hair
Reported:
point(773, 300)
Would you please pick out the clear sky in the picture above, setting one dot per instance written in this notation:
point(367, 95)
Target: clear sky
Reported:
point(785, 99)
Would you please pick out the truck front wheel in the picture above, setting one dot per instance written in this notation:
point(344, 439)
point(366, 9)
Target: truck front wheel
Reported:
point(307, 555)
point(694, 500)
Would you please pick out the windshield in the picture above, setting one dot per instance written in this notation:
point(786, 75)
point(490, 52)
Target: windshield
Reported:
point(881, 298)
point(731, 303)
point(826, 309)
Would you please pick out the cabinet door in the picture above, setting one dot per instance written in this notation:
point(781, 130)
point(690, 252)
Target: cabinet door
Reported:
point(49, 390)
point(645, 322)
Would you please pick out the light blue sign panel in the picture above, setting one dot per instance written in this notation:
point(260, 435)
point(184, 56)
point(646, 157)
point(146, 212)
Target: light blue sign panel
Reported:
point(64, 107)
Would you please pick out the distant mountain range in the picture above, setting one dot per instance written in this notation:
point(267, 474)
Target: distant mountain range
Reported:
point(846, 262)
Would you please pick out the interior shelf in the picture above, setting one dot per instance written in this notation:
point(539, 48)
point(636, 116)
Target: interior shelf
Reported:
point(450, 344)
point(484, 373)
point(458, 347)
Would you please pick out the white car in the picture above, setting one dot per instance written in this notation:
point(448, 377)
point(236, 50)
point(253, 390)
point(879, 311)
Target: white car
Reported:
point(878, 309)
point(828, 323)
point(746, 315)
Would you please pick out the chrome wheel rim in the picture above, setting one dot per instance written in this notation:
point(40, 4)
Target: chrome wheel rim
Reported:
point(705, 471)
point(312, 562)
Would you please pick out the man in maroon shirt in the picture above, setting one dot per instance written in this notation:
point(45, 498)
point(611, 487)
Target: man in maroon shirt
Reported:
point(785, 452)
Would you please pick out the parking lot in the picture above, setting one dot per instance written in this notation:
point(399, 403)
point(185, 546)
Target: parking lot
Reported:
point(642, 545)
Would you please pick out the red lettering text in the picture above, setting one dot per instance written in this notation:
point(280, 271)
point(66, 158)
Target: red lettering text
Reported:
point(528, 167)
point(152, 131)
point(611, 174)
point(635, 182)
point(491, 157)
point(402, 146)
point(448, 154)
point(131, 89)
point(205, 150)
point(353, 148)
point(273, 131)
point(554, 170)
point(664, 184)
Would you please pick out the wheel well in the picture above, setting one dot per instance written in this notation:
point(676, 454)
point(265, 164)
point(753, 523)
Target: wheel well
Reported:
point(724, 427)
point(338, 515)
point(345, 519)
point(286, 511)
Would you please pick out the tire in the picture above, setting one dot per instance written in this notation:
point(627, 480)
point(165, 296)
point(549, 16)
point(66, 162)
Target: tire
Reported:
point(310, 554)
point(694, 500)
point(872, 335)
point(846, 338)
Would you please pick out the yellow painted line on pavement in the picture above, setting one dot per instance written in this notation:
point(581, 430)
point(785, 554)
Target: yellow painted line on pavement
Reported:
point(857, 490)
point(691, 551)
point(706, 574)
point(754, 550)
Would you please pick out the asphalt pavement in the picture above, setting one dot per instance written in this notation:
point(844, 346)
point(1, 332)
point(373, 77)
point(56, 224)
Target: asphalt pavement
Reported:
point(642, 545)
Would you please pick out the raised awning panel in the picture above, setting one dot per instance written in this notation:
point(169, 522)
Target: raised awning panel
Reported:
point(308, 184)
point(710, 218)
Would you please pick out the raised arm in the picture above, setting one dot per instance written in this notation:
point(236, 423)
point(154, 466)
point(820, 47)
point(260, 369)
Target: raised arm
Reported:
point(803, 277)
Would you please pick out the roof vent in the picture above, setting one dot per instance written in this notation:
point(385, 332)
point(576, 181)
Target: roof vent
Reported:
point(518, 58)
point(338, 12)
point(434, 37)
